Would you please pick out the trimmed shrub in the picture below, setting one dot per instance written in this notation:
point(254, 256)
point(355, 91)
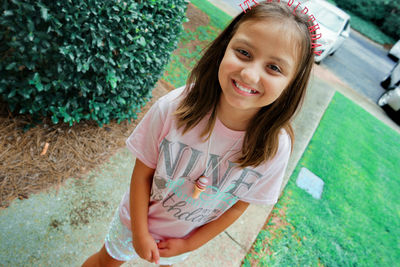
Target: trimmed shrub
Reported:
point(383, 13)
point(93, 59)
point(391, 24)
point(364, 8)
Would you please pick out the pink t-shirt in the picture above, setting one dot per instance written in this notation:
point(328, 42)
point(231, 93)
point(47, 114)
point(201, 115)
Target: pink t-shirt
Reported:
point(179, 160)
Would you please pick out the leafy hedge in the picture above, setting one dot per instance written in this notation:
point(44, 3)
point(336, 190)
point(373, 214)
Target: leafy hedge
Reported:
point(92, 59)
point(383, 13)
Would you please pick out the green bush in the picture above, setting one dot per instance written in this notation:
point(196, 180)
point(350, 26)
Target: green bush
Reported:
point(383, 13)
point(392, 23)
point(92, 59)
point(374, 10)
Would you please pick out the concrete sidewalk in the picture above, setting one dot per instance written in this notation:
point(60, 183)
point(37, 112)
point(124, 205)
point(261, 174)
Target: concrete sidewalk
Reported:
point(63, 228)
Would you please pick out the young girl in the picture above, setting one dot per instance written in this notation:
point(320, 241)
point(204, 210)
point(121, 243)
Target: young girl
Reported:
point(207, 150)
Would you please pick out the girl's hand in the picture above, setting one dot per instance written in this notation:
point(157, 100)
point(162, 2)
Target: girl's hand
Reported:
point(146, 247)
point(172, 247)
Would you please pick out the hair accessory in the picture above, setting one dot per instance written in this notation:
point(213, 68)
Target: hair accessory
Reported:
point(314, 36)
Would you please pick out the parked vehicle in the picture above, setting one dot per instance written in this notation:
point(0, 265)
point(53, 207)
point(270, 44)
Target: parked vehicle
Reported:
point(334, 26)
point(390, 103)
point(393, 78)
point(394, 52)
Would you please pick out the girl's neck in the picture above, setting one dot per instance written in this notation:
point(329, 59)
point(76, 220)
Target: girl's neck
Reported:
point(232, 118)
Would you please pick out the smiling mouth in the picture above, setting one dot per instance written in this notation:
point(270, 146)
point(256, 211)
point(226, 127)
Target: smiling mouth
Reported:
point(244, 89)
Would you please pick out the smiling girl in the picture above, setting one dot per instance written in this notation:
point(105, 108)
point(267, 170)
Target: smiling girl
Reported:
point(226, 135)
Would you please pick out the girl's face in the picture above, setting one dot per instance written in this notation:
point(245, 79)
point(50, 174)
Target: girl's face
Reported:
point(257, 66)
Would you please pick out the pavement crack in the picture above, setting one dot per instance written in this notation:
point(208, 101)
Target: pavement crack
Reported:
point(236, 242)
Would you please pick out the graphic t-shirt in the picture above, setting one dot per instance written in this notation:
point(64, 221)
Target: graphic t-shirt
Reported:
point(179, 160)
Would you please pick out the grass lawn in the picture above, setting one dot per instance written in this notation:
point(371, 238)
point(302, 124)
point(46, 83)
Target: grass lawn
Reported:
point(357, 220)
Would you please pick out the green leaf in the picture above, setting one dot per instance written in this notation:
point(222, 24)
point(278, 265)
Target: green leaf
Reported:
point(11, 66)
point(12, 94)
point(31, 36)
point(142, 41)
point(39, 86)
point(44, 11)
point(8, 13)
point(54, 119)
point(121, 100)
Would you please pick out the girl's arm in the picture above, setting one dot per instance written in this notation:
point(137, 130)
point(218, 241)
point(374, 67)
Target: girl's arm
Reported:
point(140, 187)
point(203, 234)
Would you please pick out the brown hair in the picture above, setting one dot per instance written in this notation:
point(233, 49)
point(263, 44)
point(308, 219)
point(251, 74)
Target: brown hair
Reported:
point(203, 91)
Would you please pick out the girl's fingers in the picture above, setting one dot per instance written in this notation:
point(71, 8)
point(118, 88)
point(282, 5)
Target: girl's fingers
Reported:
point(148, 257)
point(156, 256)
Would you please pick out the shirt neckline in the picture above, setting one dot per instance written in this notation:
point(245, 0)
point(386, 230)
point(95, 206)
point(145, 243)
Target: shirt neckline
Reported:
point(221, 128)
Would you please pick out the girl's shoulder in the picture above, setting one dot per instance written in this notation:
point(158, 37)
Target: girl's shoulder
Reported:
point(284, 149)
point(171, 100)
point(285, 140)
point(172, 95)
point(285, 145)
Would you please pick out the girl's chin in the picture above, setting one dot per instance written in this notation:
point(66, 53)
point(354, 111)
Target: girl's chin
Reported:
point(239, 105)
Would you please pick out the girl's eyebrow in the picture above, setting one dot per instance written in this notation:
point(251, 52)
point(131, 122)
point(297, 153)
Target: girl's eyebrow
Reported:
point(245, 42)
point(280, 60)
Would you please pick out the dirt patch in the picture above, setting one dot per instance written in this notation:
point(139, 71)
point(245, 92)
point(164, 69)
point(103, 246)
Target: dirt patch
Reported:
point(196, 18)
point(88, 210)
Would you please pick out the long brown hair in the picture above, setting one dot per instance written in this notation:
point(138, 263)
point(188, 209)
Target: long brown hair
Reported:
point(203, 91)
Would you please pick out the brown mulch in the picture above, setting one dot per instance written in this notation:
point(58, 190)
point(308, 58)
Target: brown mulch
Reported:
point(72, 151)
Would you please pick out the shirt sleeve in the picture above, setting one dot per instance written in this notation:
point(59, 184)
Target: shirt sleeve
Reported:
point(267, 189)
point(143, 142)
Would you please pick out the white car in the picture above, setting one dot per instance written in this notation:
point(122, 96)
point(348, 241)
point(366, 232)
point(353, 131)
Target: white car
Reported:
point(390, 103)
point(394, 52)
point(392, 79)
point(334, 26)
point(390, 100)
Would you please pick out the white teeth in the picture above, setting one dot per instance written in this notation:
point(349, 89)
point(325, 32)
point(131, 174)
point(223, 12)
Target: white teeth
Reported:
point(244, 89)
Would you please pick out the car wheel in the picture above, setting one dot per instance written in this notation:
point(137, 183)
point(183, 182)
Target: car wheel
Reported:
point(331, 54)
point(383, 103)
point(383, 100)
point(386, 82)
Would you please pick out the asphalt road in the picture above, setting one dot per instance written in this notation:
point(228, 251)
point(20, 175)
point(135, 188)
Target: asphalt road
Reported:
point(361, 64)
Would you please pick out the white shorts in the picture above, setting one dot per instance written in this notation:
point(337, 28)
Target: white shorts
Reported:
point(118, 243)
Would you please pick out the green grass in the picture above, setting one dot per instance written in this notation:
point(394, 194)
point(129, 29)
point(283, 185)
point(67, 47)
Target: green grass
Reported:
point(357, 221)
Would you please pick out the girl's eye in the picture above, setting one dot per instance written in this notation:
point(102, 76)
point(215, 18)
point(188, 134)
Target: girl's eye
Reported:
point(243, 52)
point(274, 68)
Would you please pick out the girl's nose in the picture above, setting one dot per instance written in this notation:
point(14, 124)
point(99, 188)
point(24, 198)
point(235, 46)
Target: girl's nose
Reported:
point(250, 75)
